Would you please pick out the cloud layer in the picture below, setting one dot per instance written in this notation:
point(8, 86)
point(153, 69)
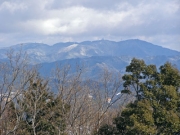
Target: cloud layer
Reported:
point(51, 21)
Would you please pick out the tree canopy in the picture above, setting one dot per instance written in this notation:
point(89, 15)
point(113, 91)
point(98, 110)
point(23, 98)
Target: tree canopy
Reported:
point(156, 109)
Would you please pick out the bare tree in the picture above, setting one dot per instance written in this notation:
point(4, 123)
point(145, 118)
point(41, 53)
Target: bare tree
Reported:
point(84, 104)
point(14, 77)
point(90, 101)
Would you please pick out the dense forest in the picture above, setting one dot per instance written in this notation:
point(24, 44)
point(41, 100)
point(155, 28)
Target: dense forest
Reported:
point(144, 101)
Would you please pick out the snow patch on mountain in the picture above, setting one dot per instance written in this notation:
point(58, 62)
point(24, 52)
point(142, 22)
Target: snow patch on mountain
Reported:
point(67, 49)
point(83, 51)
point(36, 52)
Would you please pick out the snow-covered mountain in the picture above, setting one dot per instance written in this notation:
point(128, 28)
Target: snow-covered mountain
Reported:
point(135, 48)
point(95, 55)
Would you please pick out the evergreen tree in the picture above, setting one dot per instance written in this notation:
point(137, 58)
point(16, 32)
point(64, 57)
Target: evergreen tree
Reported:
point(156, 110)
point(135, 74)
point(106, 130)
point(40, 111)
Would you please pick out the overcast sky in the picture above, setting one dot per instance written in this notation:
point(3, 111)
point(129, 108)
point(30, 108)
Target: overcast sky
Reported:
point(52, 21)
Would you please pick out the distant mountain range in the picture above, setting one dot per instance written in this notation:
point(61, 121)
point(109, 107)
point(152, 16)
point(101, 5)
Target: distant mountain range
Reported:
point(95, 55)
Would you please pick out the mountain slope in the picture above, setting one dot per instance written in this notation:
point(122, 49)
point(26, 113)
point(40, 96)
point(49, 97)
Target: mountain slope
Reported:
point(134, 48)
point(94, 56)
point(94, 65)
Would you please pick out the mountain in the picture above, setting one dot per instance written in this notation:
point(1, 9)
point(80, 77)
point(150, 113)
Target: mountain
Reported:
point(94, 65)
point(95, 55)
point(40, 53)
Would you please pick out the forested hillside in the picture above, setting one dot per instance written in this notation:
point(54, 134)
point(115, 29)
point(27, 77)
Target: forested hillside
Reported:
point(93, 55)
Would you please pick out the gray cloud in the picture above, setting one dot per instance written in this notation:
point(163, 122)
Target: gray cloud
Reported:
point(51, 21)
point(98, 5)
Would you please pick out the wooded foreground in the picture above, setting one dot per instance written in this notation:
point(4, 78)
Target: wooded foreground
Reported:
point(144, 101)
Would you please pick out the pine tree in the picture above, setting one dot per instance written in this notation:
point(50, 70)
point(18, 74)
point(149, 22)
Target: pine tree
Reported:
point(40, 111)
point(156, 109)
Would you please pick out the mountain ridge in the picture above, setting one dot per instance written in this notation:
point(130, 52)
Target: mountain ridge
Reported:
point(40, 52)
point(95, 55)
